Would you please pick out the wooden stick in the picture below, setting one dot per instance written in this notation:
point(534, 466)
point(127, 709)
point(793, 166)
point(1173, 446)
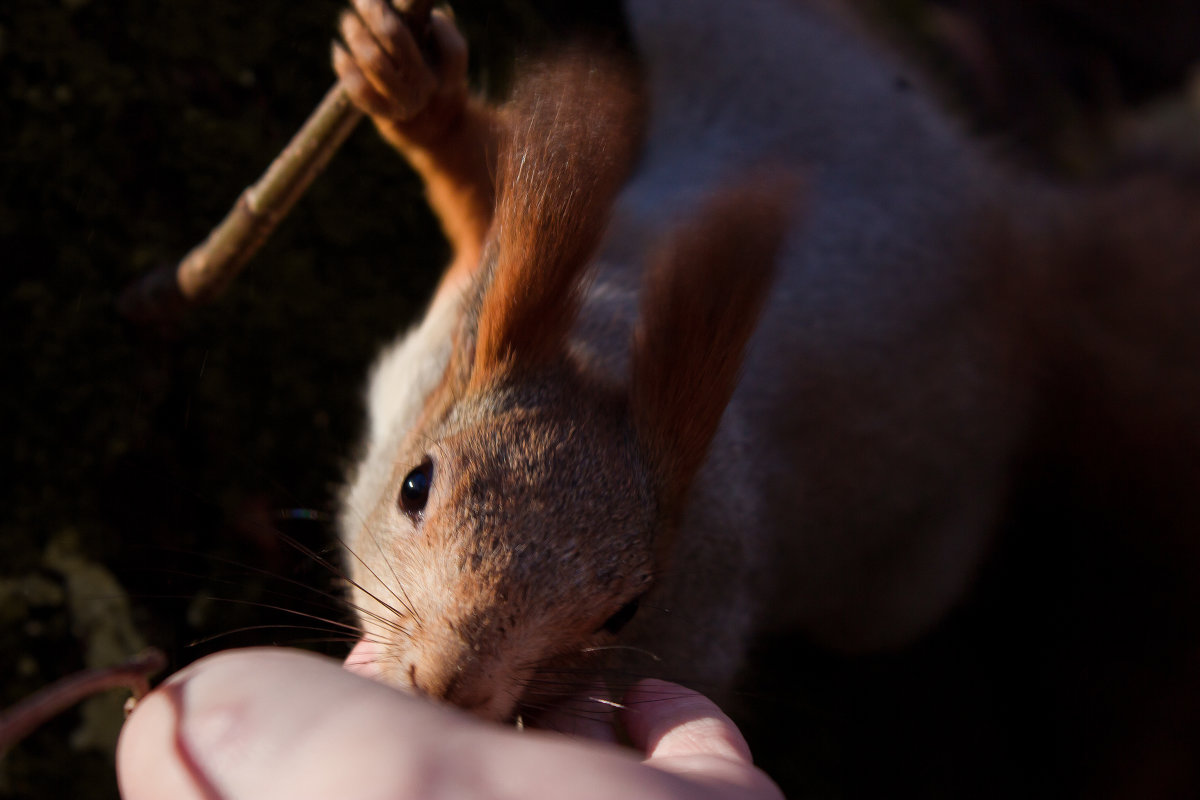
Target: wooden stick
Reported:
point(210, 266)
point(25, 717)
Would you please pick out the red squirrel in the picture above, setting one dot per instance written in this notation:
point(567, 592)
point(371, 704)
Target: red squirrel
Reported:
point(744, 335)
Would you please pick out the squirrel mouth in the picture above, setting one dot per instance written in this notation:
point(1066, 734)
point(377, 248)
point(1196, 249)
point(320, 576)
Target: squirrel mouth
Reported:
point(583, 707)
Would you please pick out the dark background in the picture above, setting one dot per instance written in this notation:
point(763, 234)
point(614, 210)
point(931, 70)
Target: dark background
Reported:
point(154, 478)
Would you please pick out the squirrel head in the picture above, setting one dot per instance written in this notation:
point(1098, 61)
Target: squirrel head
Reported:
point(533, 505)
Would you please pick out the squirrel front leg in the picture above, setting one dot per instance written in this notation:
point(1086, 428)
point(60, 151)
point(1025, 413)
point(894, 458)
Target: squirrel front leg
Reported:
point(427, 113)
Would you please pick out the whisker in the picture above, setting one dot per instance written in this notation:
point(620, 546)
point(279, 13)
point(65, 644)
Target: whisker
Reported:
point(325, 640)
point(338, 601)
point(324, 562)
point(604, 701)
point(405, 601)
point(337, 624)
point(388, 622)
point(589, 713)
point(246, 628)
point(625, 647)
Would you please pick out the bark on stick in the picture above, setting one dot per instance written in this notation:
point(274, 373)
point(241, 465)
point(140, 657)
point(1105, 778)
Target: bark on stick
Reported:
point(212, 265)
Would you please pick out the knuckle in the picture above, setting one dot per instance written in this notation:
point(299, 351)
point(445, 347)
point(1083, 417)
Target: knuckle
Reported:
point(385, 24)
point(374, 61)
point(355, 85)
point(357, 90)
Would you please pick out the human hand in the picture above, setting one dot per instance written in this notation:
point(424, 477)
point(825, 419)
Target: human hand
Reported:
point(273, 723)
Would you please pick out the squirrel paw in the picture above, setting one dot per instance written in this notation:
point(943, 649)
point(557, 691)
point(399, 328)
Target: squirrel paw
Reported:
point(386, 75)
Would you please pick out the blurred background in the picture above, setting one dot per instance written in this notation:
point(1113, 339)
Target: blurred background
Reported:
point(161, 482)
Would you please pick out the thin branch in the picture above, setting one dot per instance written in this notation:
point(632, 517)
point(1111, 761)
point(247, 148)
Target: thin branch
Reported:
point(27, 715)
point(212, 265)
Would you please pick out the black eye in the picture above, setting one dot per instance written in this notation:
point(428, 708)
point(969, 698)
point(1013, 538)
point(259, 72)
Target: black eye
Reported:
point(619, 620)
point(414, 492)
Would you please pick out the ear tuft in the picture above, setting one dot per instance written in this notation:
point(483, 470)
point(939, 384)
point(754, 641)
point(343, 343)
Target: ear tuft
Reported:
point(701, 302)
point(572, 132)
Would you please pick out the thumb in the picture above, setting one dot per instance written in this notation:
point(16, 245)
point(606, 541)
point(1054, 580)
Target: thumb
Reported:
point(684, 733)
point(266, 723)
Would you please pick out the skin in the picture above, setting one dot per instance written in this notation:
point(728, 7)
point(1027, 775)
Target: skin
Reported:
point(273, 723)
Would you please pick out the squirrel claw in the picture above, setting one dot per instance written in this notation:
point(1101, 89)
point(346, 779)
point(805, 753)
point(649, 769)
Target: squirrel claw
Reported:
point(385, 73)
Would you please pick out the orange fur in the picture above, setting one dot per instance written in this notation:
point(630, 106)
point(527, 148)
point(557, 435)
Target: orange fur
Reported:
point(449, 138)
point(939, 325)
point(539, 464)
point(703, 293)
point(566, 155)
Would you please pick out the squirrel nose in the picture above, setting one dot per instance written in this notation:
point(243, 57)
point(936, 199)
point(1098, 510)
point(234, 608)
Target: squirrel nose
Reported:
point(460, 679)
point(364, 659)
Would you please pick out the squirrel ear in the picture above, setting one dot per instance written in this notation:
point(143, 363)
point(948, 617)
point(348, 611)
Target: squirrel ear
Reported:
point(571, 134)
point(701, 301)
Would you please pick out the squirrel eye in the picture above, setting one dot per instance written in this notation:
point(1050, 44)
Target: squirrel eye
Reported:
point(619, 620)
point(414, 492)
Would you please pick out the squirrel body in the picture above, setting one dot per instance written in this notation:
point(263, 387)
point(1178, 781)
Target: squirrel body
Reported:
point(875, 323)
point(808, 511)
point(748, 337)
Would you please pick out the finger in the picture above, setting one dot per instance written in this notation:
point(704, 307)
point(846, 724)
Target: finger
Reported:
point(384, 24)
point(451, 48)
point(275, 723)
point(356, 84)
point(142, 771)
point(373, 62)
point(284, 724)
point(388, 56)
point(667, 720)
point(686, 735)
point(270, 723)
